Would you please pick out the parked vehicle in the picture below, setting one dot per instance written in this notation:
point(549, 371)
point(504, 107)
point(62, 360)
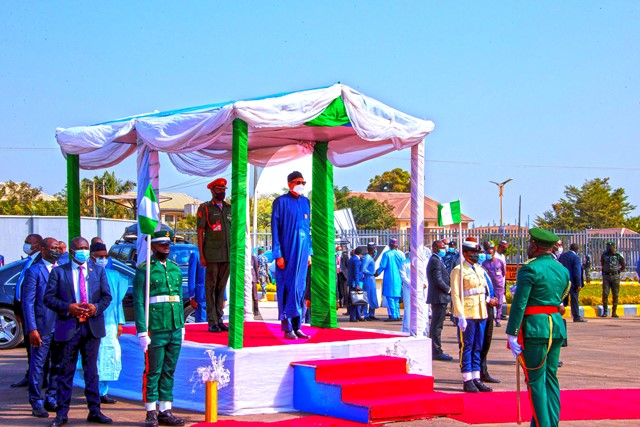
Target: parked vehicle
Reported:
point(10, 329)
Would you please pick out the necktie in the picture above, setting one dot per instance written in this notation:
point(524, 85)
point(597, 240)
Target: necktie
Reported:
point(82, 285)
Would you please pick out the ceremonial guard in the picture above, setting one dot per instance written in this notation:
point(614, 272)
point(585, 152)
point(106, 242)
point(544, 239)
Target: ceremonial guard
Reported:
point(162, 339)
point(535, 330)
point(469, 302)
point(612, 264)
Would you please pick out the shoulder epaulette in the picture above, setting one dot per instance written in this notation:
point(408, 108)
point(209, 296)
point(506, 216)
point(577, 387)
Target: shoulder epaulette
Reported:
point(173, 262)
point(530, 260)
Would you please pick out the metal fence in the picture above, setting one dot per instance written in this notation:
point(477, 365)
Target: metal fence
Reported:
point(589, 242)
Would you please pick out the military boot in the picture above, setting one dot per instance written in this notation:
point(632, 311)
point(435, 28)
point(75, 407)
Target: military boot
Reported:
point(605, 312)
point(151, 420)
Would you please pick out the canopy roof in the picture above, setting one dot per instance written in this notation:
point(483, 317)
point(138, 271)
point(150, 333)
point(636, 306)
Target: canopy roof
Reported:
point(281, 128)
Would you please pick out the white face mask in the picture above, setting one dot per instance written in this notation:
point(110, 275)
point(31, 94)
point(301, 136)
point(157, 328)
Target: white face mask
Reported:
point(298, 189)
point(560, 250)
point(27, 248)
point(101, 261)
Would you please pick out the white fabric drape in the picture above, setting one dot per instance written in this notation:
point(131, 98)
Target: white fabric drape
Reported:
point(418, 320)
point(199, 142)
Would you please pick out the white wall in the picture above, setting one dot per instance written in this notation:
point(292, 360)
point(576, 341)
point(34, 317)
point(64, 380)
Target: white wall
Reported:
point(16, 228)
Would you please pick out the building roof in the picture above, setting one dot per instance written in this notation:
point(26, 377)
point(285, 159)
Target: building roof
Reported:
point(401, 203)
point(616, 231)
point(42, 196)
point(510, 229)
point(168, 201)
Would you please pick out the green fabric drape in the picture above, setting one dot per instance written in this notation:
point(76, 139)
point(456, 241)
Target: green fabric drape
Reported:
point(239, 166)
point(323, 268)
point(73, 196)
point(334, 115)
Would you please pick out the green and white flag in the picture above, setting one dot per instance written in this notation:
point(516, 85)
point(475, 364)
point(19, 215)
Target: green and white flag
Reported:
point(148, 212)
point(449, 213)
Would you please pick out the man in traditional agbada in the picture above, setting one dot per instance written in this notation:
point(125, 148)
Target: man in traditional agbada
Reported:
point(535, 330)
point(390, 264)
point(162, 339)
point(290, 229)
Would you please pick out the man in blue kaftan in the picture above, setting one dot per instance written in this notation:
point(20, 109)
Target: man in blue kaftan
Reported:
point(391, 263)
point(290, 228)
point(196, 281)
point(369, 281)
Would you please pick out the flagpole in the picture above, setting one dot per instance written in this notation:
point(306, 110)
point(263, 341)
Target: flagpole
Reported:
point(147, 282)
point(460, 259)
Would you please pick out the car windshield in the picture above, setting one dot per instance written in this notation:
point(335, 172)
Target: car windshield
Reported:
point(180, 253)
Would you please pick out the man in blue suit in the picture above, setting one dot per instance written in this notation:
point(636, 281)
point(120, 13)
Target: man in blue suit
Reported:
point(39, 324)
point(79, 293)
point(571, 261)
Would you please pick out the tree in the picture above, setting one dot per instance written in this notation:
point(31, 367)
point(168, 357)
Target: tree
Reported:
point(20, 198)
point(396, 180)
point(594, 205)
point(633, 223)
point(367, 213)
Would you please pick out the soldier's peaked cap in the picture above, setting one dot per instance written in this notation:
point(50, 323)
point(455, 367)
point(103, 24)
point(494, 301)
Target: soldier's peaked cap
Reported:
point(543, 237)
point(162, 236)
point(220, 182)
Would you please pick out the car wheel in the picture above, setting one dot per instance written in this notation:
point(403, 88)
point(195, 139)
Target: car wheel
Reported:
point(189, 314)
point(10, 329)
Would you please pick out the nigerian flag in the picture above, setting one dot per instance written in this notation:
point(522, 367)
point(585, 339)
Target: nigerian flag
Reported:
point(449, 213)
point(148, 212)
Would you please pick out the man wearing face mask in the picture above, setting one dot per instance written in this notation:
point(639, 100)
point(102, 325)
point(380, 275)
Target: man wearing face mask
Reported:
point(39, 322)
point(290, 229)
point(214, 236)
point(452, 257)
point(391, 263)
point(31, 247)
point(439, 296)
point(469, 300)
point(369, 281)
point(162, 339)
point(109, 356)
point(79, 293)
point(535, 330)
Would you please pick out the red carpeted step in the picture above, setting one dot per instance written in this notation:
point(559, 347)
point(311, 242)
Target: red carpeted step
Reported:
point(355, 367)
point(411, 406)
point(383, 385)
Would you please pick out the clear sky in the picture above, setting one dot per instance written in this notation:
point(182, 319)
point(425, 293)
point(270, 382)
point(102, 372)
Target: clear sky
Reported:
point(546, 93)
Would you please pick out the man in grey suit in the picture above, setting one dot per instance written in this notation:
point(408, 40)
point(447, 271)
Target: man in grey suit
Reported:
point(439, 296)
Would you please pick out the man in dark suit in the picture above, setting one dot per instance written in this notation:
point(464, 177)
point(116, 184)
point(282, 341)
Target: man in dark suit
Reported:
point(79, 293)
point(439, 296)
point(571, 261)
point(39, 322)
point(32, 246)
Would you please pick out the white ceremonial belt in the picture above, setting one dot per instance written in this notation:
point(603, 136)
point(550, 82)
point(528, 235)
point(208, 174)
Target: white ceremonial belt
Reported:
point(164, 298)
point(475, 291)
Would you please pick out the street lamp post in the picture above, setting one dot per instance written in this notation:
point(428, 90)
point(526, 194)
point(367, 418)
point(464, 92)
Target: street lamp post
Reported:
point(501, 192)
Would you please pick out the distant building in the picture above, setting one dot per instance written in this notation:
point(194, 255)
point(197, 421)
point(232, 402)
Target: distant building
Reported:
point(505, 229)
point(401, 203)
point(173, 206)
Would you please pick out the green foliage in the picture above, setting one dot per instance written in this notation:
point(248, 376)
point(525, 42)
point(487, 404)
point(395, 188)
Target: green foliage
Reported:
point(594, 205)
point(396, 180)
point(264, 210)
point(633, 223)
point(20, 198)
point(189, 222)
point(367, 213)
point(591, 294)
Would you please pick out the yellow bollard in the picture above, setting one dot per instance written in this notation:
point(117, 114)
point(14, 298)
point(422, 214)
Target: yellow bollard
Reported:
point(211, 402)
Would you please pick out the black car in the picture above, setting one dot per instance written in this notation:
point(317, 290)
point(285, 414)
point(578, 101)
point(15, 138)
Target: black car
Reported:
point(10, 328)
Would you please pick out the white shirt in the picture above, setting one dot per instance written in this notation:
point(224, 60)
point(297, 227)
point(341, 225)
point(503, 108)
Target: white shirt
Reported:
point(76, 277)
point(48, 265)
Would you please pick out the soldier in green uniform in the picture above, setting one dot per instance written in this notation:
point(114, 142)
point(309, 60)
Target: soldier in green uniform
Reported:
point(214, 235)
point(162, 339)
point(535, 329)
point(612, 264)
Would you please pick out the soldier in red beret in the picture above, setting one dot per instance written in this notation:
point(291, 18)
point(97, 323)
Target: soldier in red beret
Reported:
point(214, 230)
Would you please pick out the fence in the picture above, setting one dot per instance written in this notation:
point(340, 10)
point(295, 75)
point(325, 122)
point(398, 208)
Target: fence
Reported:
point(590, 243)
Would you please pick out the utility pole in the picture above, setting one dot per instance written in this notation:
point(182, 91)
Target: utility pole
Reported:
point(94, 198)
point(501, 192)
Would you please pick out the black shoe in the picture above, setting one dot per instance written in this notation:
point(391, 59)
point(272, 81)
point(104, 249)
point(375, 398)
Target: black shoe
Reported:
point(489, 379)
point(22, 383)
point(346, 313)
point(604, 314)
point(470, 387)
point(108, 399)
point(50, 406)
point(580, 320)
point(166, 418)
point(214, 328)
point(353, 320)
point(301, 334)
point(223, 328)
point(560, 363)
point(613, 315)
point(151, 420)
point(372, 318)
point(290, 335)
point(442, 356)
point(99, 418)
point(503, 317)
point(480, 386)
point(392, 319)
point(39, 412)
point(361, 319)
point(58, 421)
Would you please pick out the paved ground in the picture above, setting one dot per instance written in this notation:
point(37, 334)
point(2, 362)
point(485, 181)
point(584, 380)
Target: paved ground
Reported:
point(601, 354)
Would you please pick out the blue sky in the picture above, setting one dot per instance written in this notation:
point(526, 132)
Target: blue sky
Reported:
point(546, 93)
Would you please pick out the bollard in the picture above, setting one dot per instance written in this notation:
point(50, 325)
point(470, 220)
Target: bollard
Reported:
point(211, 402)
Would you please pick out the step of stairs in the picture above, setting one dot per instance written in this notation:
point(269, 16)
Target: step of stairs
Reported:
point(372, 389)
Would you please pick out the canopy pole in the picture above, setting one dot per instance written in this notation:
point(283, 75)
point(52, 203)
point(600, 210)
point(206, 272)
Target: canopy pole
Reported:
point(323, 268)
point(73, 196)
point(239, 162)
point(417, 321)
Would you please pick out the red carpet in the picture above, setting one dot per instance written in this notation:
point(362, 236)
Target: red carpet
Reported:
point(260, 334)
point(308, 421)
point(610, 404)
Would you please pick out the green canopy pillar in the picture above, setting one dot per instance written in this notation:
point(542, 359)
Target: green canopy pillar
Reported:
point(239, 165)
point(73, 196)
point(323, 270)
